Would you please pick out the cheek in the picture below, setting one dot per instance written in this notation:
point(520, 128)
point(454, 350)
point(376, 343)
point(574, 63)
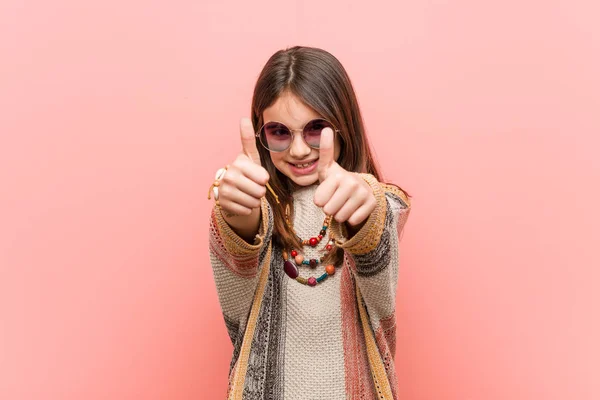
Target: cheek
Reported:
point(276, 158)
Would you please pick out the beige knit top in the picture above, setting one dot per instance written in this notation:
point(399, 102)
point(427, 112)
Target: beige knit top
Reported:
point(335, 340)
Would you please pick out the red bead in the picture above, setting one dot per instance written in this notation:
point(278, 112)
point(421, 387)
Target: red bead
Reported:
point(328, 247)
point(320, 236)
point(294, 253)
point(312, 263)
point(313, 241)
point(312, 281)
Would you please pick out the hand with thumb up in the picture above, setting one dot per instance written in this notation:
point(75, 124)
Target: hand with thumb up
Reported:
point(243, 185)
point(341, 193)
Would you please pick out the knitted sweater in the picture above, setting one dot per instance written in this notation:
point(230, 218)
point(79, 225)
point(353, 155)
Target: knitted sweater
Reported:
point(293, 341)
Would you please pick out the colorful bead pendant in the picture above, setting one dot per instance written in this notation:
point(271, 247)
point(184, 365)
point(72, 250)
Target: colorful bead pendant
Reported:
point(290, 269)
point(290, 266)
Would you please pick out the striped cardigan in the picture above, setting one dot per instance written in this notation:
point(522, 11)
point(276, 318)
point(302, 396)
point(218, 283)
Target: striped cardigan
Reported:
point(292, 341)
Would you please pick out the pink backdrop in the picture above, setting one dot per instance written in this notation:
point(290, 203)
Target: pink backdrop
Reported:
point(115, 115)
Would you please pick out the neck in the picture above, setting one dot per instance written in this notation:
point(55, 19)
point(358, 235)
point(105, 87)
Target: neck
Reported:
point(295, 186)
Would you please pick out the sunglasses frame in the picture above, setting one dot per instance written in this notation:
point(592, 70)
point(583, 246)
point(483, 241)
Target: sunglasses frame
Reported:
point(293, 132)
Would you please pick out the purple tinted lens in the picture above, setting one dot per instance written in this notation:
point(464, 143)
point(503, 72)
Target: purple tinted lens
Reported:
point(275, 136)
point(312, 132)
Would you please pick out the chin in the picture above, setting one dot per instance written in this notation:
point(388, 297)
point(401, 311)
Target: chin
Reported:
point(305, 180)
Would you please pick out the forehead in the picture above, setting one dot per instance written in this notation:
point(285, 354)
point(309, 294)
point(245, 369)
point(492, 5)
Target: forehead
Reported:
point(290, 110)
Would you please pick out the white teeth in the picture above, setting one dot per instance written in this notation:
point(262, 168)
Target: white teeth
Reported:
point(304, 165)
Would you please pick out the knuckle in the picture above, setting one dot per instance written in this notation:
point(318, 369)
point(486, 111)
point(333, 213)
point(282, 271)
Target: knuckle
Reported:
point(254, 169)
point(363, 193)
point(355, 220)
point(224, 190)
point(243, 161)
point(230, 175)
point(373, 202)
point(239, 159)
point(263, 174)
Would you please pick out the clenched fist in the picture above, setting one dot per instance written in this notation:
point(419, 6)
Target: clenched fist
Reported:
point(343, 194)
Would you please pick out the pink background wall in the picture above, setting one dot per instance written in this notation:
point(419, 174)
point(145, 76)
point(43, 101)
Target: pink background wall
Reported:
point(115, 115)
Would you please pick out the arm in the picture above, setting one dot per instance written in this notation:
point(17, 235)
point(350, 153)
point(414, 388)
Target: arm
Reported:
point(235, 264)
point(372, 253)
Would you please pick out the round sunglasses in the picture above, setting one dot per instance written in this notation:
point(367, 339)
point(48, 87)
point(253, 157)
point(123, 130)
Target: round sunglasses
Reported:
point(277, 137)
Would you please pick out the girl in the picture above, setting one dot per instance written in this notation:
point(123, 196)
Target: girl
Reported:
point(304, 241)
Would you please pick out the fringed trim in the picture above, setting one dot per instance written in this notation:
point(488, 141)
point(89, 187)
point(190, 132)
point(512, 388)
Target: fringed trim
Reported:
point(359, 384)
point(378, 370)
point(385, 337)
point(239, 377)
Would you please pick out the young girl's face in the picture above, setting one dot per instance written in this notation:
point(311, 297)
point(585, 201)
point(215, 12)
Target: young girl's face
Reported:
point(291, 111)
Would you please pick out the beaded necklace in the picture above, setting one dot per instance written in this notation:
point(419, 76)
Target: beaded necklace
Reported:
point(291, 269)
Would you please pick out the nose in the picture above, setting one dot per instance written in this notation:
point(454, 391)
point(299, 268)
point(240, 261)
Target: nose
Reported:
point(299, 149)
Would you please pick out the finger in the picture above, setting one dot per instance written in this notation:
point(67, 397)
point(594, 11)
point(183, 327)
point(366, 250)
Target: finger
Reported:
point(257, 174)
point(337, 201)
point(250, 187)
point(326, 158)
point(233, 208)
point(249, 140)
point(349, 208)
point(246, 167)
point(325, 191)
point(230, 194)
point(361, 214)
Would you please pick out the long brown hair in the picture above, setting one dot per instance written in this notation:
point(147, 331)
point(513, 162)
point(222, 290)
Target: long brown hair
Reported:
point(318, 79)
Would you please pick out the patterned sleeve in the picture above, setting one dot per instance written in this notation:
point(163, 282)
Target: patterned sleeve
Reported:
point(372, 254)
point(235, 264)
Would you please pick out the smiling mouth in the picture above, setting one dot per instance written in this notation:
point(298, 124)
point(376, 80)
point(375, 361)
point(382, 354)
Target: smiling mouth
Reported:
point(304, 165)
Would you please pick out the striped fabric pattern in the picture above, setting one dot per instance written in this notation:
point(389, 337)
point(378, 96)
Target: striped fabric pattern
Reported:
point(292, 341)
